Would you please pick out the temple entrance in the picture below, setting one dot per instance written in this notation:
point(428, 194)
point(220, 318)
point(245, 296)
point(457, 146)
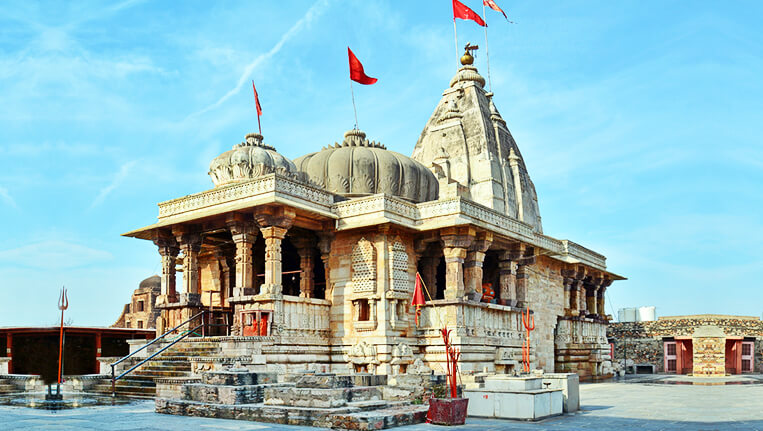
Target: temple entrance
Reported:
point(739, 356)
point(679, 356)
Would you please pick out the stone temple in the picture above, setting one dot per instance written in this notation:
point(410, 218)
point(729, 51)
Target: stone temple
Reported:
point(310, 264)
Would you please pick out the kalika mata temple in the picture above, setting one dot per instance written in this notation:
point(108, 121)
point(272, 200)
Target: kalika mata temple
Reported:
point(310, 264)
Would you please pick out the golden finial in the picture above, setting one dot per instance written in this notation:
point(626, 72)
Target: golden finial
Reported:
point(468, 58)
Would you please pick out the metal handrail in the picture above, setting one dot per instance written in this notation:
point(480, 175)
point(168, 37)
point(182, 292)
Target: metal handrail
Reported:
point(114, 379)
point(152, 356)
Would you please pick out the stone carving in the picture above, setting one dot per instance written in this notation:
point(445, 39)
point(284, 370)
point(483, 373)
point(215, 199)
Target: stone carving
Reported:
point(362, 354)
point(399, 268)
point(364, 267)
point(418, 367)
point(402, 354)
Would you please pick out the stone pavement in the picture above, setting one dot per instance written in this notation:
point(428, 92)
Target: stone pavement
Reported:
point(606, 406)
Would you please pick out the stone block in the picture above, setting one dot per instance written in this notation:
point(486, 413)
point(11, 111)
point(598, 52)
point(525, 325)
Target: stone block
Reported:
point(569, 384)
point(237, 378)
point(325, 381)
point(509, 383)
point(526, 405)
point(367, 379)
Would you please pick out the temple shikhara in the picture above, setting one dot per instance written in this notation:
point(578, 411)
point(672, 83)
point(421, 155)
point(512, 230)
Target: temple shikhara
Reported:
point(310, 264)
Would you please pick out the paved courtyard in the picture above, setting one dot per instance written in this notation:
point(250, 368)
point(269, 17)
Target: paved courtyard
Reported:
point(606, 406)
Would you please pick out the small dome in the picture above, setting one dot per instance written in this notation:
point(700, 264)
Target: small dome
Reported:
point(153, 283)
point(248, 160)
point(468, 73)
point(357, 167)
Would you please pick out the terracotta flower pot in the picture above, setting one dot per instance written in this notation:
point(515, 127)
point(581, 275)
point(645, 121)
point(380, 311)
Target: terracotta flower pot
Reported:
point(448, 411)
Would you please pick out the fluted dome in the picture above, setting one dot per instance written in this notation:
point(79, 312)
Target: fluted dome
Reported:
point(248, 160)
point(357, 167)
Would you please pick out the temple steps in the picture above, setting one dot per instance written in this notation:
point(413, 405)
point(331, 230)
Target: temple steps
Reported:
point(173, 363)
point(6, 388)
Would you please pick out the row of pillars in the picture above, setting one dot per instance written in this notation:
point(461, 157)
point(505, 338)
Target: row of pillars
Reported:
point(584, 292)
point(464, 251)
point(272, 223)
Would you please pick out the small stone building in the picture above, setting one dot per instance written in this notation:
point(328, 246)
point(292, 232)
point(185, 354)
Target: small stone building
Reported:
point(141, 312)
point(701, 345)
point(311, 263)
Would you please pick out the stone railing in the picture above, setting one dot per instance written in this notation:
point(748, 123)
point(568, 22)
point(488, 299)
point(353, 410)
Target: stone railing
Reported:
point(473, 319)
point(573, 331)
point(307, 316)
point(583, 254)
point(269, 184)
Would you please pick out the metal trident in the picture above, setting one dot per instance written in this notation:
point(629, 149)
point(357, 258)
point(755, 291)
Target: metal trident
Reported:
point(63, 304)
point(63, 301)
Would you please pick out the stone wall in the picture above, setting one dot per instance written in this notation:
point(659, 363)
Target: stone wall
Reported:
point(545, 296)
point(642, 342)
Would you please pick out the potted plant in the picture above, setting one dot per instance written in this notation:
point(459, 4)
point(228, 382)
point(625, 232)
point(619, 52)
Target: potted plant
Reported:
point(452, 410)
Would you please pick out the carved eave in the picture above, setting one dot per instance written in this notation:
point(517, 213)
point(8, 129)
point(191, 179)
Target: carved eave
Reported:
point(313, 205)
point(268, 190)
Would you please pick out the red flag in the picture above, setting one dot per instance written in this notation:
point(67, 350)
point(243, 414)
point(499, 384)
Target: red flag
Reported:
point(461, 11)
point(491, 4)
point(418, 297)
point(357, 73)
point(257, 100)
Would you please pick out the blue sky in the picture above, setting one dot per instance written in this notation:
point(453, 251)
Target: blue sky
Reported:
point(638, 122)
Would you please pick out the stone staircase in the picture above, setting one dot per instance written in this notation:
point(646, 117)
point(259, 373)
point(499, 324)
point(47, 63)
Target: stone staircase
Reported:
point(325, 400)
point(7, 388)
point(173, 362)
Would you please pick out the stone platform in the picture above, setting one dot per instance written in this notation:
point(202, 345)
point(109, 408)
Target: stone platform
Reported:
point(508, 397)
point(322, 400)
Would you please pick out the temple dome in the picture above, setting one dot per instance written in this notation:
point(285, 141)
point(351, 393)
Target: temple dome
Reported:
point(248, 160)
point(357, 167)
point(153, 283)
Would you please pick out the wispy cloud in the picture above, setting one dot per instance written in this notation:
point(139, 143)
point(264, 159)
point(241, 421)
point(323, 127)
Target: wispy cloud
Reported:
point(55, 254)
point(315, 11)
point(118, 179)
point(7, 198)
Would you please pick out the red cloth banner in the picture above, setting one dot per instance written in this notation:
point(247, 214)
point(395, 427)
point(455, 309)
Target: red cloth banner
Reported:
point(357, 73)
point(461, 11)
point(492, 5)
point(257, 100)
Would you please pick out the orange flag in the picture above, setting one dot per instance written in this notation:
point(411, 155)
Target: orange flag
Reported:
point(418, 298)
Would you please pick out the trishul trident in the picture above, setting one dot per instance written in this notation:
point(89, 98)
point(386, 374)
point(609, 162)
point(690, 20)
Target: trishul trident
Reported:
point(63, 304)
point(529, 322)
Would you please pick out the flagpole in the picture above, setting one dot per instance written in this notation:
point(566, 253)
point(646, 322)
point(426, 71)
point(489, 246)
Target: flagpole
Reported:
point(354, 110)
point(259, 126)
point(455, 33)
point(487, 50)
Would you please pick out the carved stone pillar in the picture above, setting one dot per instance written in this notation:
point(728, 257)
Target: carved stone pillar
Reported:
point(475, 257)
point(580, 296)
point(592, 294)
point(508, 279)
point(522, 283)
point(305, 247)
point(244, 234)
point(454, 272)
point(568, 295)
point(226, 259)
point(602, 291)
point(523, 256)
point(190, 245)
point(273, 266)
point(168, 249)
point(324, 245)
point(455, 244)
